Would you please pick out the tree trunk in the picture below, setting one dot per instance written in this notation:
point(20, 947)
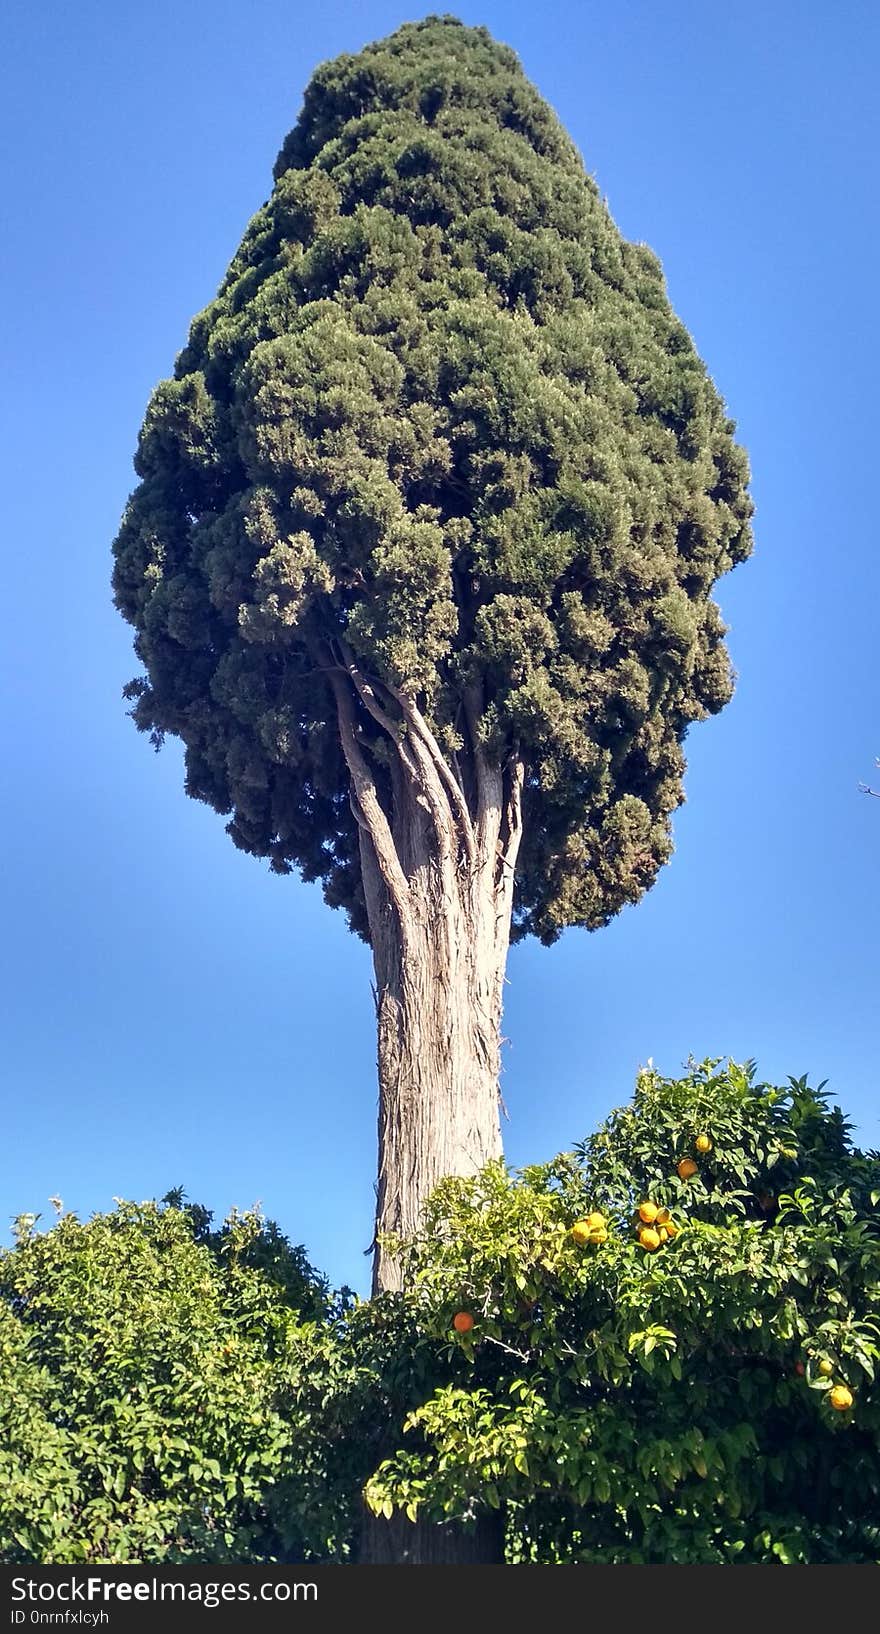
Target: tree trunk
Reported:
point(438, 847)
point(439, 1031)
point(401, 1542)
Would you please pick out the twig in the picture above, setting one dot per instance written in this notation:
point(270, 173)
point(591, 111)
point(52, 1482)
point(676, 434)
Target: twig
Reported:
point(522, 1355)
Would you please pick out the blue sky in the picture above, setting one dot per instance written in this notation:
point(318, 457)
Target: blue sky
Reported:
point(173, 1014)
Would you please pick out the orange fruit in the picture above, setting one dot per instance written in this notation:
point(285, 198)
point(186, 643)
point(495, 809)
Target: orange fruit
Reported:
point(662, 1217)
point(686, 1168)
point(840, 1398)
point(671, 1228)
point(581, 1232)
point(462, 1321)
point(649, 1238)
point(648, 1212)
point(664, 1234)
point(826, 1368)
point(596, 1221)
point(703, 1143)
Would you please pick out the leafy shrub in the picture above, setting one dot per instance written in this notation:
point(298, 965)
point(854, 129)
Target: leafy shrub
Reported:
point(140, 1416)
point(171, 1392)
point(672, 1405)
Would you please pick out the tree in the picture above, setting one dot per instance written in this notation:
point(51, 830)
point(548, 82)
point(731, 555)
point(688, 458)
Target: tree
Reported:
point(168, 1392)
point(421, 556)
point(708, 1399)
point(141, 1355)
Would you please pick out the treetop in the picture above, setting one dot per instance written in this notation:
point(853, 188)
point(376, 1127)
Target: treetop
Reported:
point(441, 422)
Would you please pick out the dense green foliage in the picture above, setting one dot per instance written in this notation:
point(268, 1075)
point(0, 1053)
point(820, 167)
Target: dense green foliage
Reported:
point(672, 1406)
point(172, 1393)
point(442, 409)
point(139, 1367)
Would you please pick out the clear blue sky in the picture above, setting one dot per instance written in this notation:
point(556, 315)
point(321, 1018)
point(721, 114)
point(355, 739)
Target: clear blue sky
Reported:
point(172, 1012)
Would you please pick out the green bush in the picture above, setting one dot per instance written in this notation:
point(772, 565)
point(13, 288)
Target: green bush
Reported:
point(174, 1393)
point(140, 1415)
point(671, 1405)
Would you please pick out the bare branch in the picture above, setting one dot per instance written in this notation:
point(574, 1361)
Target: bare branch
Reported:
point(420, 753)
point(367, 797)
point(367, 693)
point(455, 793)
point(521, 1355)
point(356, 812)
point(513, 813)
point(488, 777)
point(438, 805)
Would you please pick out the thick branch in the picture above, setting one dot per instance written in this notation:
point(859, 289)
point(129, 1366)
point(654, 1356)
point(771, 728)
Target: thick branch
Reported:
point(366, 691)
point(513, 813)
point(432, 789)
point(419, 752)
point(488, 781)
point(367, 798)
point(420, 728)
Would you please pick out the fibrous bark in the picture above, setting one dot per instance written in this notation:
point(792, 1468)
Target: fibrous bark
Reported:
point(438, 851)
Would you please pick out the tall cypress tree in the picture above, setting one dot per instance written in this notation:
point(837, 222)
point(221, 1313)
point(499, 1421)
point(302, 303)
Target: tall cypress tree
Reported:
point(421, 557)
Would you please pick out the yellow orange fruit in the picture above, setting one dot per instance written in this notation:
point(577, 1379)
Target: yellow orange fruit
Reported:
point(671, 1228)
point(649, 1238)
point(462, 1321)
point(581, 1232)
point(662, 1217)
point(686, 1168)
point(703, 1143)
point(648, 1212)
point(664, 1233)
point(600, 1236)
point(826, 1368)
point(840, 1398)
point(596, 1221)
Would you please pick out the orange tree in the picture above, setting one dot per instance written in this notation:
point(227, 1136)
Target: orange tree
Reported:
point(708, 1398)
point(609, 1361)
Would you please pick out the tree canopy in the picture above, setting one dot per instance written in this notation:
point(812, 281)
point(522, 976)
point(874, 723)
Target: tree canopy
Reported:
point(169, 1392)
point(139, 1384)
point(710, 1398)
point(442, 412)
